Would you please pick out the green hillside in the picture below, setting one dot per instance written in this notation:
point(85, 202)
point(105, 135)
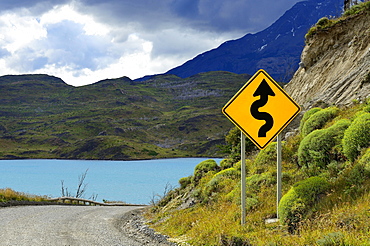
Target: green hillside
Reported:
point(326, 189)
point(119, 119)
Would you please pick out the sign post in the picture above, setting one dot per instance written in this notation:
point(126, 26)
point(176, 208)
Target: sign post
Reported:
point(278, 174)
point(243, 188)
point(261, 109)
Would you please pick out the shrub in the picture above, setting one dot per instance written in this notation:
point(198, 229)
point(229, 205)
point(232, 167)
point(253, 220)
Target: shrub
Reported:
point(266, 158)
point(307, 115)
point(216, 186)
point(222, 182)
point(226, 163)
point(356, 9)
point(357, 136)
point(232, 146)
point(324, 21)
point(312, 31)
point(256, 181)
point(185, 181)
point(320, 147)
point(318, 120)
point(366, 109)
point(365, 160)
point(295, 204)
point(228, 173)
point(203, 168)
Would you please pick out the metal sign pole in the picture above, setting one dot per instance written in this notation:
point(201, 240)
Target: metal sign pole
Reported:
point(278, 173)
point(243, 188)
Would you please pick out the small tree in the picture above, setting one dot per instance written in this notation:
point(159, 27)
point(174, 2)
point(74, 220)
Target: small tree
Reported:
point(81, 187)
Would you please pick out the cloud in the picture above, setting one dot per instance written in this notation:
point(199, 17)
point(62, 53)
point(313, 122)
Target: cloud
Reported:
point(83, 41)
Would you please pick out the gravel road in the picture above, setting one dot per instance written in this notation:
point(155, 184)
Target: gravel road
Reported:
point(68, 225)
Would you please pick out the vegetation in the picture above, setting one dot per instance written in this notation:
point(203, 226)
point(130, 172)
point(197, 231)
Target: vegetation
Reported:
point(118, 119)
point(326, 190)
point(357, 137)
point(298, 200)
point(322, 147)
point(8, 194)
point(316, 119)
point(325, 23)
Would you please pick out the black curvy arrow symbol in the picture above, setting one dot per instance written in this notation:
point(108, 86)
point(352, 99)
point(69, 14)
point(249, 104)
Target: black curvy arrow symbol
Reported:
point(264, 91)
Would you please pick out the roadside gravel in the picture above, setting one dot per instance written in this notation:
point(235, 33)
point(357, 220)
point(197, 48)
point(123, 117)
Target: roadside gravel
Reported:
point(72, 225)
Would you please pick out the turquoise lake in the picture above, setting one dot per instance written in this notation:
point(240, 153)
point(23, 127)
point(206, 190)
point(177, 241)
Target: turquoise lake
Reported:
point(128, 181)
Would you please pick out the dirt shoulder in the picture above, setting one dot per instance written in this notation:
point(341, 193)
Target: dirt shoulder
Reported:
point(133, 225)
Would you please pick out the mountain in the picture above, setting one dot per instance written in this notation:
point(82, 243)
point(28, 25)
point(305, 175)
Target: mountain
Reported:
point(116, 119)
point(276, 49)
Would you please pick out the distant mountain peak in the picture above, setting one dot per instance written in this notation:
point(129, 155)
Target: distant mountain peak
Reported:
point(276, 49)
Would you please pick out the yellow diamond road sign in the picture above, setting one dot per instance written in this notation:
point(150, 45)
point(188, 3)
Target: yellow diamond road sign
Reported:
point(261, 109)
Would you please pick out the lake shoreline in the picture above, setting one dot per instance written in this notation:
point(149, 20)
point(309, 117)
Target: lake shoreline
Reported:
point(139, 159)
point(132, 182)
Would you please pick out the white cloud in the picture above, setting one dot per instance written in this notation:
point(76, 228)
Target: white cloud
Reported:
point(18, 32)
point(73, 46)
point(68, 12)
point(84, 41)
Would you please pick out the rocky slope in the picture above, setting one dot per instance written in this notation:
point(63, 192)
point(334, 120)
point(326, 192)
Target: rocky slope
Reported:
point(335, 64)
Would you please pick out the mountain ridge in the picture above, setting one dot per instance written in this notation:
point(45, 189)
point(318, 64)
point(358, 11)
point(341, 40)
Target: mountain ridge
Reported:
point(115, 119)
point(276, 49)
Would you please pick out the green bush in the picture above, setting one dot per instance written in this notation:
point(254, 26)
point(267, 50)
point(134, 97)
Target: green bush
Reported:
point(256, 181)
point(318, 119)
point(355, 9)
point(365, 160)
point(232, 147)
point(320, 147)
point(204, 167)
point(229, 173)
point(226, 163)
point(324, 21)
point(357, 136)
point(185, 181)
point(307, 115)
point(265, 159)
point(248, 165)
point(295, 204)
point(366, 109)
point(214, 187)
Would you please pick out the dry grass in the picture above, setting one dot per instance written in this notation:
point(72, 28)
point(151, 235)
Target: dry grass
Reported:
point(8, 194)
point(340, 217)
point(206, 225)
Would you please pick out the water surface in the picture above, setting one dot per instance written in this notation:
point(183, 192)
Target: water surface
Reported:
point(128, 181)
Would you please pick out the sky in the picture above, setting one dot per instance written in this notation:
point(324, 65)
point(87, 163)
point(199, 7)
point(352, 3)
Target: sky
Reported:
point(85, 41)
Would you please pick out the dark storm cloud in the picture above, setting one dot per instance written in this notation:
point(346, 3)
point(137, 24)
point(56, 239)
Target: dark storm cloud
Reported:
point(204, 15)
point(35, 6)
point(151, 15)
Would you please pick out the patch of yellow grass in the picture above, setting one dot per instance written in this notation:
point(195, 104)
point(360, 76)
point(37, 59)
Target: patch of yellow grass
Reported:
point(8, 194)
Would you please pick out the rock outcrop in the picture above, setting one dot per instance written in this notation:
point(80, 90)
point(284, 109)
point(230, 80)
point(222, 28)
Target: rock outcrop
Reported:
point(335, 64)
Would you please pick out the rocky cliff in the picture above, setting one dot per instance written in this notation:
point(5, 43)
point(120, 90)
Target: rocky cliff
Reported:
point(335, 63)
